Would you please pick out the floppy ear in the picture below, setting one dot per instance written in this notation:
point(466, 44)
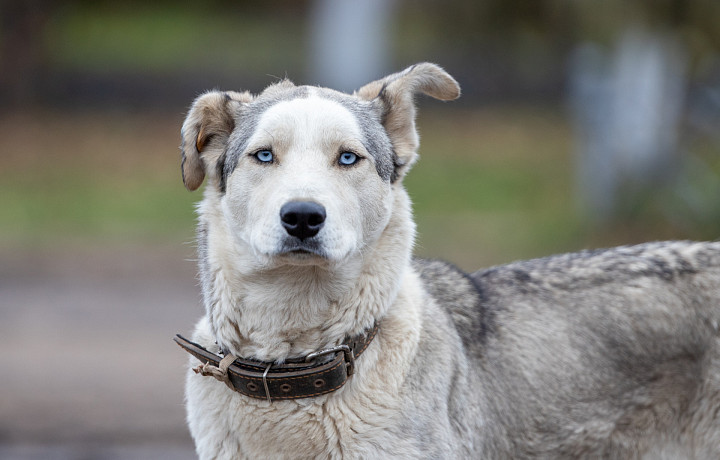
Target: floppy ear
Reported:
point(395, 96)
point(205, 132)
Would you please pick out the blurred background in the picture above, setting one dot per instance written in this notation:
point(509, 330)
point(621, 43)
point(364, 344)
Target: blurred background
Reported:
point(582, 124)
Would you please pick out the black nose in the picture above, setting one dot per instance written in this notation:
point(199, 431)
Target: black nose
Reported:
point(302, 219)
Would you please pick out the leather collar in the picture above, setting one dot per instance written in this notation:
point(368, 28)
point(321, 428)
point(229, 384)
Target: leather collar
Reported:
point(318, 373)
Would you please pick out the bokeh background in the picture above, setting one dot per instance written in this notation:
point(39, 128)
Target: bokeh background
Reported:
point(582, 124)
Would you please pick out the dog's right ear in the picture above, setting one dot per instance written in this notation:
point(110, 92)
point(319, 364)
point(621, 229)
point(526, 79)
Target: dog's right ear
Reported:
point(394, 96)
point(205, 132)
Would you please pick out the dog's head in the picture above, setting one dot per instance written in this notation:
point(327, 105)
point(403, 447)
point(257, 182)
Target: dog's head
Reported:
point(304, 174)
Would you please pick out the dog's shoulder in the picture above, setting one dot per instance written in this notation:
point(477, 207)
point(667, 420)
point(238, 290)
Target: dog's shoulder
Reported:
point(460, 296)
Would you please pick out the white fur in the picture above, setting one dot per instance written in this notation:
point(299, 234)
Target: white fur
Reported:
point(269, 305)
point(307, 135)
point(272, 306)
point(278, 322)
point(358, 421)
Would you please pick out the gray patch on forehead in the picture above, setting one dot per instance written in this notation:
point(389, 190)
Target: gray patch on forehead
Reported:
point(375, 140)
point(247, 120)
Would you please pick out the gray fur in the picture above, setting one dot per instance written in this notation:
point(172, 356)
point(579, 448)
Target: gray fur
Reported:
point(600, 354)
point(376, 142)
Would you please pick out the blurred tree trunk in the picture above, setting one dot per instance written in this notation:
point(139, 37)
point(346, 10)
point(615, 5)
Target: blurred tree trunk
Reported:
point(349, 40)
point(22, 49)
point(627, 108)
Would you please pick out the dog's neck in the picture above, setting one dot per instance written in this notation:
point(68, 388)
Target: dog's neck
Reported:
point(291, 311)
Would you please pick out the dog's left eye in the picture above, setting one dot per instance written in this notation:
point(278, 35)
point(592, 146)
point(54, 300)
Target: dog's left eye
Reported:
point(264, 156)
point(348, 158)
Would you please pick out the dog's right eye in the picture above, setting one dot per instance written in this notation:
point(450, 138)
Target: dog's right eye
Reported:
point(264, 156)
point(348, 159)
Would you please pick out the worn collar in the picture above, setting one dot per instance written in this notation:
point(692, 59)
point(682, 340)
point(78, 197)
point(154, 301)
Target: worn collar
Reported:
point(318, 373)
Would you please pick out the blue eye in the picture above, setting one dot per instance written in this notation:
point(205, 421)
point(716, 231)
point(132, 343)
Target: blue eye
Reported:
point(348, 158)
point(264, 156)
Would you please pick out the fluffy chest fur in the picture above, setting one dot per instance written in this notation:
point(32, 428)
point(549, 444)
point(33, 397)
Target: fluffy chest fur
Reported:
point(364, 419)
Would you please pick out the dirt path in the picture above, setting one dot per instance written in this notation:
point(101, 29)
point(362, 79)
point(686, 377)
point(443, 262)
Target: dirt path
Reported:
point(89, 368)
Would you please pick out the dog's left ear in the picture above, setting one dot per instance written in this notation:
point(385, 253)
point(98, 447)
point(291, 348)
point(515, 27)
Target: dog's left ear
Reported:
point(394, 95)
point(205, 132)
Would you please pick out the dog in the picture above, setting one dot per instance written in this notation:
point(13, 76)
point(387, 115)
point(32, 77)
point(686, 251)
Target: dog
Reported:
point(323, 338)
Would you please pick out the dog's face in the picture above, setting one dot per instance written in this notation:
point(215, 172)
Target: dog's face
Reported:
point(305, 175)
point(305, 184)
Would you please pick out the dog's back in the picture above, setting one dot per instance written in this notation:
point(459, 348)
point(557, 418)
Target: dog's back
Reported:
point(609, 353)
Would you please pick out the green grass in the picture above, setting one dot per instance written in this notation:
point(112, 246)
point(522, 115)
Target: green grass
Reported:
point(494, 186)
point(73, 204)
point(102, 176)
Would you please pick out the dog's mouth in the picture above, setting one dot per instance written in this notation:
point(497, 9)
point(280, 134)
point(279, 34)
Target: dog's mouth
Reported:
point(302, 250)
point(300, 253)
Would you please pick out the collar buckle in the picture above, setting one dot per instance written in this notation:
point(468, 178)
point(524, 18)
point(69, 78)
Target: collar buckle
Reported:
point(347, 351)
